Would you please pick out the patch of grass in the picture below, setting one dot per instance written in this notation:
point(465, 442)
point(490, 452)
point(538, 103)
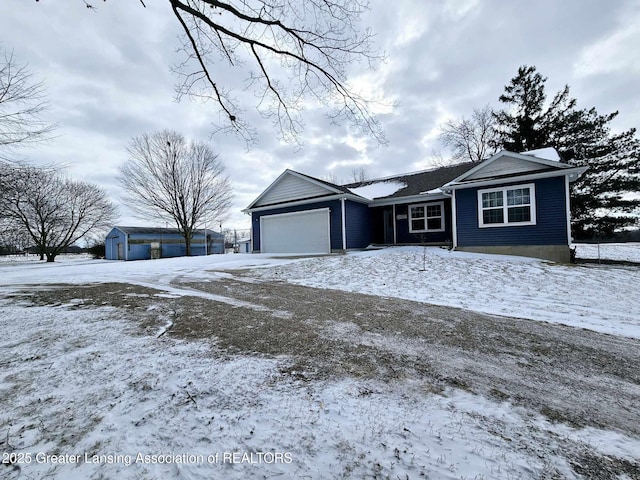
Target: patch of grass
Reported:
point(590, 464)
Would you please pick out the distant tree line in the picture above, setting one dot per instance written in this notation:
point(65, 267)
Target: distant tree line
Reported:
point(605, 200)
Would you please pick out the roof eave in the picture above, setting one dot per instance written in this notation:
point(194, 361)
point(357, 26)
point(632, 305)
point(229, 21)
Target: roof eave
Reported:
point(420, 197)
point(573, 173)
point(507, 153)
point(306, 201)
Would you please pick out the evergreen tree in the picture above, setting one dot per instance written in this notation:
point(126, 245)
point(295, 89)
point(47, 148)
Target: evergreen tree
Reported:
point(605, 199)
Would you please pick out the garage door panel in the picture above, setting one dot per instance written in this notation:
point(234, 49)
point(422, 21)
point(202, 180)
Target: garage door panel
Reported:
point(299, 232)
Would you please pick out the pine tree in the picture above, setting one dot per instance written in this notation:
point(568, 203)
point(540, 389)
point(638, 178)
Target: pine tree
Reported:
point(605, 199)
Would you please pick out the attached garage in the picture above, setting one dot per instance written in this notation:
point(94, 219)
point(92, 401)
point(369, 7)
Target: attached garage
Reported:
point(302, 214)
point(296, 232)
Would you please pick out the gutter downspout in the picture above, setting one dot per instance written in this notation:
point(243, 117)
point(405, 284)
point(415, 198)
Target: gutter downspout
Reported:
point(568, 207)
point(454, 226)
point(395, 231)
point(344, 224)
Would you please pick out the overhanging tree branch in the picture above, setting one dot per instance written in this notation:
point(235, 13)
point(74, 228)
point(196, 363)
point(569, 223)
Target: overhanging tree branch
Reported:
point(22, 105)
point(315, 42)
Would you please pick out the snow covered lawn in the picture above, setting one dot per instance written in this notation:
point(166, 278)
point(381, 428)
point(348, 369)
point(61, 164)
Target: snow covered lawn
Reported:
point(87, 394)
point(89, 390)
point(626, 252)
point(603, 298)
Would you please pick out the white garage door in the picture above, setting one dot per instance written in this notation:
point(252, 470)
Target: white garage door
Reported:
point(299, 232)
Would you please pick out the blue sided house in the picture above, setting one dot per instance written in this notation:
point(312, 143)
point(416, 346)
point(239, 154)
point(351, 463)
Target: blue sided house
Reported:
point(511, 203)
point(143, 243)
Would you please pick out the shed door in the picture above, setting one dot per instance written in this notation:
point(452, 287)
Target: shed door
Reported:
point(298, 232)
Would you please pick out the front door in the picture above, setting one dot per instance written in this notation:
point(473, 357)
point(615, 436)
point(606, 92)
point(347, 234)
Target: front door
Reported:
point(388, 226)
point(120, 252)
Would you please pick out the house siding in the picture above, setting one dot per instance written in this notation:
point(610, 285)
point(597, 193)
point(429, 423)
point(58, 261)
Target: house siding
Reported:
point(551, 218)
point(403, 235)
point(291, 188)
point(358, 220)
point(506, 166)
point(335, 221)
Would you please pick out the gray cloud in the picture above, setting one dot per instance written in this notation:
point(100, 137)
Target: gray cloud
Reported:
point(108, 77)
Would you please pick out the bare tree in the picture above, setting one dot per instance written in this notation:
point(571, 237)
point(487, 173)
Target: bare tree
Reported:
point(13, 238)
point(21, 106)
point(471, 139)
point(169, 179)
point(359, 174)
point(331, 177)
point(55, 211)
point(291, 53)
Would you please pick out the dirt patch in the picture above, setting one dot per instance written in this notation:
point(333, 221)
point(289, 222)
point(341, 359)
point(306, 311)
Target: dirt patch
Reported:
point(573, 376)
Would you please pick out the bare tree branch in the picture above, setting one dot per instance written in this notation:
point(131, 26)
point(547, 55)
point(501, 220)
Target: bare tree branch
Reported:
point(294, 54)
point(168, 179)
point(54, 211)
point(21, 107)
point(471, 139)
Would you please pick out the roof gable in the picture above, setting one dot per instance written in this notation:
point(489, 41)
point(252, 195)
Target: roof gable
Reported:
point(291, 186)
point(507, 164)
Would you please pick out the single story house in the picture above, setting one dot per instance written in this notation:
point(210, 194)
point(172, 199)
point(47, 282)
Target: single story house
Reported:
point(511, 203)
point(143, 243)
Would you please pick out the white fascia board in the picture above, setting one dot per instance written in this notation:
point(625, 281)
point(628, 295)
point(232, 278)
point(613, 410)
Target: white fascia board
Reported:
point(427, 197)
point(506, 153)
point(572, 173)
point(306, 201)
point(295, 174)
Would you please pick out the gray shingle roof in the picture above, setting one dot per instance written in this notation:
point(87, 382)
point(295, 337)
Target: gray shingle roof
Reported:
point(420, 182)
point(159, 231)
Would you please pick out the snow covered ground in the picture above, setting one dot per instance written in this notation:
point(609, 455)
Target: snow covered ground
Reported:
point(84, 384)
point(603, 298)
point(597, 297)
point(629, 252)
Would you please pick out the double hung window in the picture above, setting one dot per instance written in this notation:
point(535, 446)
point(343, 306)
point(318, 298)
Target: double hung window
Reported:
point(507, 206)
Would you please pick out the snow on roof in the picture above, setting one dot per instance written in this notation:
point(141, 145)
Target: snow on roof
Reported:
point(432, 192)
point(548, 153)
point(378, 189)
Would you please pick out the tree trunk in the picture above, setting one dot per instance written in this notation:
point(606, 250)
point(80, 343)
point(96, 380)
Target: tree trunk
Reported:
point(187, 242)
point(51, 257)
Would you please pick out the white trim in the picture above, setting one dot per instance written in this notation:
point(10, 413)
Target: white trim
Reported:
point(454, 222)
point(420, 198)
point(307, 201)
point(573, 173)
point(395, 231)
point(344, 224)
point(505, 206)
point(299, 212)
point(426, 218)
point(568, 207)
point(295, 174)
point(519, 156)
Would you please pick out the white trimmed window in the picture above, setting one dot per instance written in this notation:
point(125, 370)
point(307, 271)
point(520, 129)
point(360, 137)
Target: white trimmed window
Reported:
point(507, 206)
point(426, 217)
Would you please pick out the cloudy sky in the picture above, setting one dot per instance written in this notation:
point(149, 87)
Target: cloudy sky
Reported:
point(108, 78)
